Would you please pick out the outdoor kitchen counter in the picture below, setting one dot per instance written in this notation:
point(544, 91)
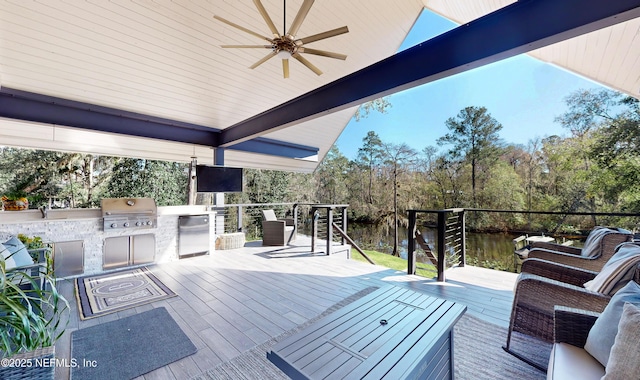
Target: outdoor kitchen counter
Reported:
point(86, 226)
point(54, 215)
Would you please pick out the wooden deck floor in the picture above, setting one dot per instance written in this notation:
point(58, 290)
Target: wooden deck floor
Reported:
point(232, 300)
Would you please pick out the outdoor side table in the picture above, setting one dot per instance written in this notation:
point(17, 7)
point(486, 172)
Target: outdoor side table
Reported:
point(392, 333)
point(520, 253)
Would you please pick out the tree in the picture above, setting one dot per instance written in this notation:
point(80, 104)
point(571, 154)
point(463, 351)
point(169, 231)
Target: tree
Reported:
point(474, 134)
point(166, 182)
point(381, 105)
point(331, 177)
point(587, 110)
point(46, 175)
point(399, 158)
point(369, 155)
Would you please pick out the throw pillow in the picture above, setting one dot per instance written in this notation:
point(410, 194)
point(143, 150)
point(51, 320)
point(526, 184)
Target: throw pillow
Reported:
point(17, 252)
point(603, 333)
point(624, 360)
point(619, 270)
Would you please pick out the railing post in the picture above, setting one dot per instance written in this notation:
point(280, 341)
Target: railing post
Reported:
point(411, 243)
point(314, 228)
point(344, 224)
point(295, 219)
point(442, 226)
point(463, 234)
point(239, 219)
point(329, 229)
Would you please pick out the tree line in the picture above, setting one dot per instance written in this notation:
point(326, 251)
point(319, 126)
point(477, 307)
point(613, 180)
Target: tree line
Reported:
point(595, 168)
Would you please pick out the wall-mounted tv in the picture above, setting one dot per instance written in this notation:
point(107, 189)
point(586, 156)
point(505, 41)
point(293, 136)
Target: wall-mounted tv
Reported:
point(218, 179)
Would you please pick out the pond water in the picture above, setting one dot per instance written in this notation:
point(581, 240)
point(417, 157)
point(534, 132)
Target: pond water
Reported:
point(490, 250)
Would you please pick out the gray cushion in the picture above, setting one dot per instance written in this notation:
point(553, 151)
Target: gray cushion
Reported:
point(618, 271)
point(603, 333)
point(269, 215)
point(624, 361)
point(18, 255)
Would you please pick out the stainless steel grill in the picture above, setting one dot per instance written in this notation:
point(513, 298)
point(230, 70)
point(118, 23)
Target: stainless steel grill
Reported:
point(129, 213)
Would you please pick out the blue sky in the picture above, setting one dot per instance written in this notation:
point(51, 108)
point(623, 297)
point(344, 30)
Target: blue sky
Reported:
point(522, 93)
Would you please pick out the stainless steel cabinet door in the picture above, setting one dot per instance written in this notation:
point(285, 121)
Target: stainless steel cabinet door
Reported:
point(68, 258)
point(116, 252)
point(143, 249)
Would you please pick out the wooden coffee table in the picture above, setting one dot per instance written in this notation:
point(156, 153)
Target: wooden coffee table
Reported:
point(392, 333)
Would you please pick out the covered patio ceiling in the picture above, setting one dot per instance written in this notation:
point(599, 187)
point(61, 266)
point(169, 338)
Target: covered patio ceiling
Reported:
point(149, 78)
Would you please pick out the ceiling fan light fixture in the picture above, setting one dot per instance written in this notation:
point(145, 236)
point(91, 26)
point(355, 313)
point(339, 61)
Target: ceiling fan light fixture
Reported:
point(284, 54)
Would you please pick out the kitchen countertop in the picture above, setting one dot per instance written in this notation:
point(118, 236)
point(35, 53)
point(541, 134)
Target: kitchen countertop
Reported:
point(55, 215)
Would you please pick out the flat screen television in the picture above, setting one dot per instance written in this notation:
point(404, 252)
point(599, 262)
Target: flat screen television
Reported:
point(218, 179)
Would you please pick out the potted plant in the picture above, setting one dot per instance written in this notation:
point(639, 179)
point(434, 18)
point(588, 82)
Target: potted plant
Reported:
point(15, 201)
point(33, 315)
point(36, 247)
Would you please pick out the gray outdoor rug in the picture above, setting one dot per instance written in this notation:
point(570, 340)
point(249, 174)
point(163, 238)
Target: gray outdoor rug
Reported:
point(477, 349)
point(128, 347)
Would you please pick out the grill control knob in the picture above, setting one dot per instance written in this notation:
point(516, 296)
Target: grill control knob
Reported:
point(148, 222)
point(126, 224)
point(114, 225)
point(138, 224)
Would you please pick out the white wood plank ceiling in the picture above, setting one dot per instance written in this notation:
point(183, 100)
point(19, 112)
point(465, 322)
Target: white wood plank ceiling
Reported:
point(163, 58)
point(610, 56)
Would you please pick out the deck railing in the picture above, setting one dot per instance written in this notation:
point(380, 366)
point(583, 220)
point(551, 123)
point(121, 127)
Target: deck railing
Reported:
point(450, 238)
point(451, 229)
point(247, 217)
point(318, 220)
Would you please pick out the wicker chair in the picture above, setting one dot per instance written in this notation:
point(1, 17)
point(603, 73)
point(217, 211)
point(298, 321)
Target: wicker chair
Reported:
point(277, 232)
point(536, 297)
point(558, 272)
point(604, 247)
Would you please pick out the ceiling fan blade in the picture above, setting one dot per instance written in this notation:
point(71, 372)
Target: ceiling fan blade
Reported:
point(246, 47)
point(323, 35)
point(242, 28)
point(323, 53)
point(307, 63)
point(285, 68)
point(302, 13)
point(263, 60)
point(266, 18)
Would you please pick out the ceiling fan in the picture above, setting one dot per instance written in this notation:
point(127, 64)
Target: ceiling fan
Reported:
point(286, 45)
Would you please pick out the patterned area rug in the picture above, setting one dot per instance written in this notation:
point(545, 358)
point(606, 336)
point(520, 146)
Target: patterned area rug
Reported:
point(108, 293)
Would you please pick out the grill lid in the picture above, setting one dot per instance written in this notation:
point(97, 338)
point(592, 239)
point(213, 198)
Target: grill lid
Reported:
point(129, 213)
point(128, 206)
